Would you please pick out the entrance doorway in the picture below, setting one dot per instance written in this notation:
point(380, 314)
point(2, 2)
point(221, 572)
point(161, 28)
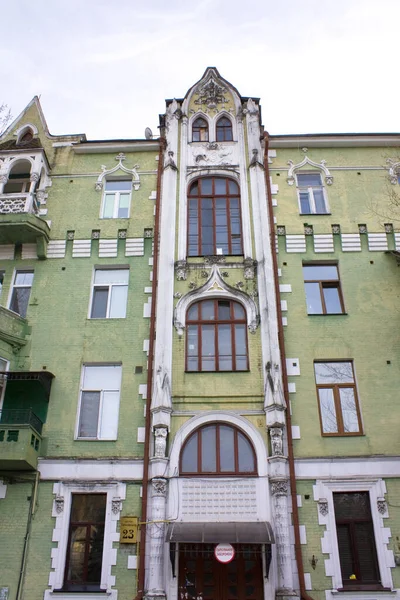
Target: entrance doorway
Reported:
point(202, 577)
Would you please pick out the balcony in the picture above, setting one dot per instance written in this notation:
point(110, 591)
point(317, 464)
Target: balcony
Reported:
point(13, 328)
point(20, 439)
point(20, 222)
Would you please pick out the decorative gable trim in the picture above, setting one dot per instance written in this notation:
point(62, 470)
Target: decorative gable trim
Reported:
point(106, 172)
point(215, 287)
point(307, 161)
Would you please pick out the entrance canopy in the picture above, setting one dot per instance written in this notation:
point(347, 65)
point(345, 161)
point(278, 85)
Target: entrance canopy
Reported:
point(233, 533)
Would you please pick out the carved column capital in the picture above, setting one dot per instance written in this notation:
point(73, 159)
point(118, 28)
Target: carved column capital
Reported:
point(280, 487)
point(159, 487)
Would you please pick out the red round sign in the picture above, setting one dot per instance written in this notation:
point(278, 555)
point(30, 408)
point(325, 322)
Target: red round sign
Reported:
point(224, 553)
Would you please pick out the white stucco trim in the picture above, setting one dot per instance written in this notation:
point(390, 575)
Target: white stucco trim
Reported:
point(21, 130)
point(293, 168)
point(343, 468)
point(215, 287)
point(61, 511)
point(248, 429)
point(323, 491)
point(90, 470)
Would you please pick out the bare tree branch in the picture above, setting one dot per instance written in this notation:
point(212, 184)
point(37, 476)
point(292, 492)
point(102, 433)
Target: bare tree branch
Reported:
point(5, 117)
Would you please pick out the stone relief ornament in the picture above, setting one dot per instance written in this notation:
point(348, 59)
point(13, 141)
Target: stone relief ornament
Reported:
point(239, 285)
point(280, 488)
point(323, 507)
point(389, 227)
point(381, 505)
point(181, 269)
point(362, 228)
point(336, 229)
point(308, 230)
point(213, 153)
point(160, 442)
point(34, 177)
point(210, 94)
point(276, 435)
point(214, 260)
point(255, 160)
point(170, 163)
point(116, 505)
point(204, 274)
point(159, 487)
point(3, 178)
point(249, 268)
point(192, 285)
point(394, 170)
point(177, 295)
point(59, 504)
point(281, 230)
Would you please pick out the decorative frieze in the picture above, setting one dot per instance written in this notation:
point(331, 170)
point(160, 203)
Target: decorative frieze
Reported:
point(59, 504)
point(249, 266)
point(280, 487)
point(116, 505)
point(381, 505)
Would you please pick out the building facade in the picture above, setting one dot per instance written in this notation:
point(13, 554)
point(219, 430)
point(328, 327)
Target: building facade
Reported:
point(232, 386)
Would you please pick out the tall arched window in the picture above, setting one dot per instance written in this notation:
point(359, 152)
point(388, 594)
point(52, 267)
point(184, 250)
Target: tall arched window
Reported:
point(224, 130)
point(200, 130)
point(19, 178)
point(214, 217)
point(216, 336)
point(218, 449)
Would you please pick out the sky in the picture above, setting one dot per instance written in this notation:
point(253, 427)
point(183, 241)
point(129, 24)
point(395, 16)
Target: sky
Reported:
point(105, 68)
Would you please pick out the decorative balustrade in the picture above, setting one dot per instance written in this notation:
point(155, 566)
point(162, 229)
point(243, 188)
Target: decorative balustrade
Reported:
point(18, 203)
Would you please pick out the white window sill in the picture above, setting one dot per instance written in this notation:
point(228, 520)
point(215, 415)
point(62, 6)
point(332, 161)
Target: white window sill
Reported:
point(361, 595)
point(78, 595)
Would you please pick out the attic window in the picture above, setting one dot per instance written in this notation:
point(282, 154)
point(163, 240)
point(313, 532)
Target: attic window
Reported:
point(26, 136)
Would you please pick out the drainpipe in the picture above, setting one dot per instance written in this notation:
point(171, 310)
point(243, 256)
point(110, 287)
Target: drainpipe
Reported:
point(32, 510)
point(297, 546)
point(146, 459)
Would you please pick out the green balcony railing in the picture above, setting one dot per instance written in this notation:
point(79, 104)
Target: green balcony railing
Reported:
point(20, 416)
point(20, 439)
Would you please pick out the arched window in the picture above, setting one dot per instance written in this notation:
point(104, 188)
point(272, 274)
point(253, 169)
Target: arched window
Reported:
point(216, 336)
point(19, 178)
point(214, 217)
point(218, 449)
point(224, 130)
point(200, 130)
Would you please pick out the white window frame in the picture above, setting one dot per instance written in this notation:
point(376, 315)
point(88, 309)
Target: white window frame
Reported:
point(110, 285)
point(116, 199)
point(3, 382)
point(82, 389)
point(310, 191)
point(323, 494)
point(13, 286)
point(116, 493)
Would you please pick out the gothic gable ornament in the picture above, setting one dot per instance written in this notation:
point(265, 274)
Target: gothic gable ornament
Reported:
point(210, 94)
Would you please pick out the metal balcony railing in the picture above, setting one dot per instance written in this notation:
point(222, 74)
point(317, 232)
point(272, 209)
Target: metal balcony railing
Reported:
point(18, 203)
point(21, 416)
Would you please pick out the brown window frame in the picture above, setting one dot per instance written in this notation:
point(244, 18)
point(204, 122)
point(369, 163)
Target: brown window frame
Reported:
point(218, 472)
point(350, 524)
point(224, 132)
point(200, 133)
point(202, 197)
point(200, 322)
point(325, 284)
point(336, 396)
point(84, 585)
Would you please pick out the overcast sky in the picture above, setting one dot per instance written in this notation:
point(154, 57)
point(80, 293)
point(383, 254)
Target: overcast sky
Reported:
point(105, 68)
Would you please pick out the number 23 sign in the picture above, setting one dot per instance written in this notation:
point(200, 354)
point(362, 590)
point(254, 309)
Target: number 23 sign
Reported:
point(128, 530)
